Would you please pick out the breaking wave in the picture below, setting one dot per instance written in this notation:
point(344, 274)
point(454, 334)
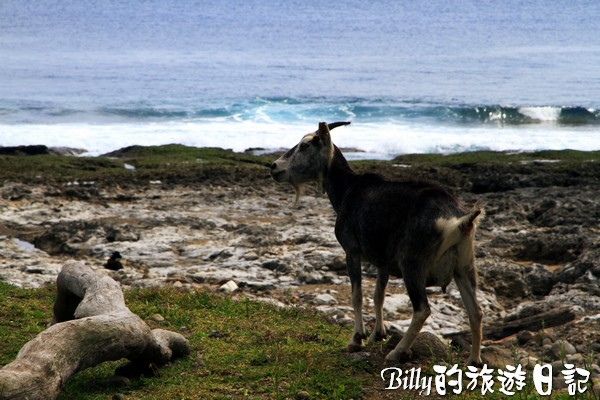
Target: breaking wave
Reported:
point(294, 110)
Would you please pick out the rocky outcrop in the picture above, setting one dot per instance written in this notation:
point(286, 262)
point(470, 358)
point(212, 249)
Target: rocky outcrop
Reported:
point(537, 249)
point(35, 150)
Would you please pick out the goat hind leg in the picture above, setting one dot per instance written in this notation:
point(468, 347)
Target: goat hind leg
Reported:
point(379, 332)
point(466, 281)
point(416, 288)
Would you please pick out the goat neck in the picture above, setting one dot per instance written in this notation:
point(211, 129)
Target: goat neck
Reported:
point(338, 178)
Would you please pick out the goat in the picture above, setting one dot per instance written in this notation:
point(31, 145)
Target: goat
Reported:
point(414, 230)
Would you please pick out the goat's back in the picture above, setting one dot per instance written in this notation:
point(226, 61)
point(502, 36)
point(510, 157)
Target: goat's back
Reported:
point(379, 217)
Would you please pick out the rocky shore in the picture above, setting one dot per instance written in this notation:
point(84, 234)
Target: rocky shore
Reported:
point(233, 229)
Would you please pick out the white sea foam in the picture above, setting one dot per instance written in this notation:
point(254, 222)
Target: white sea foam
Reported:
point(373, 140)
point(545, 114)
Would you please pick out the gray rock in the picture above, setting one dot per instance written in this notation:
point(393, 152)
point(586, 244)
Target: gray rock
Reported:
point(550, 246)
point(259, 285)
point(497, 357)
point(561, 348)
point(302, 395)
point(513, 280)
point(558, 382)
point(427, 346)
point(15, 192)
point(276, 265)
point(313, 278)
point(505, 278)
point(529, 361)
point(65, 238)
point(125, 233)
point(325, 299)
point(524, 337)
point(157, 318)
point(525, 309)
point(33, 270)
point(576, 359)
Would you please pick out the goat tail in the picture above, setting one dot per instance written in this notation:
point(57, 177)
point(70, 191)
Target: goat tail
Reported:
point(459, 231)
point(469, 221)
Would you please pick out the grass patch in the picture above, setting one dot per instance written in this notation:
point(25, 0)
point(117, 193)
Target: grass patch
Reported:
point(25, 313)
point(495, 157)
point(148, 161)
point(185, 164)
point(240, 349)
point(173, 155)
point(40, 168)
point(179, 164)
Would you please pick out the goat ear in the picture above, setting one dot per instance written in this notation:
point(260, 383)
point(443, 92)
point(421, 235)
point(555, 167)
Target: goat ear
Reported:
point(323, 133)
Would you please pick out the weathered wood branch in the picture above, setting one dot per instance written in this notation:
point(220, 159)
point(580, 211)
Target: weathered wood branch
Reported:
point(536, 322)
point(91, 325)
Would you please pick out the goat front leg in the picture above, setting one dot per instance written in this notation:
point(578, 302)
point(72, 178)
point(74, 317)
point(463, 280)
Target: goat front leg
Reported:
point(354, 272)
point(379, 332)
point(466, 281)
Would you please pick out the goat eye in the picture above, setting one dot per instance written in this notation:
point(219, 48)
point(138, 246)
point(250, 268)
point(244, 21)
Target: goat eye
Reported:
point(304, 146)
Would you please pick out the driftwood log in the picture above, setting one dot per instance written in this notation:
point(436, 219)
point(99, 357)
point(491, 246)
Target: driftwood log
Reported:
point(91, 325)
point(500, 330)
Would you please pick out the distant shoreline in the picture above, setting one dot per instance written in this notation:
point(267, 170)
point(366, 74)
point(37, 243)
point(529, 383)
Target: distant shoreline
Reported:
point(355, 153)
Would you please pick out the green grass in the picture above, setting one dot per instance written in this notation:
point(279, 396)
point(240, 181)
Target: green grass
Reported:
point(24, 313)
point(40, 168)
point(493, 157)
point(240, 349)
point(150, 157)
point(149, 162)
point(166, 160)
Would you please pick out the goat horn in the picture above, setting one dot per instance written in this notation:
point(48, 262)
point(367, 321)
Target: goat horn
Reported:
point(334, 125)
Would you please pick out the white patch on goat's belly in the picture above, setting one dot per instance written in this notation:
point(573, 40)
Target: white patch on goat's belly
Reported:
point(442, 271)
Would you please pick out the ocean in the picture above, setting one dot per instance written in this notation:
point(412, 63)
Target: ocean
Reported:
point(412, 76)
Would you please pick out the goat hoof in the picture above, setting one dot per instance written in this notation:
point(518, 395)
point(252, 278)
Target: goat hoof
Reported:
point(398, 357)
point(355, 344)
point(376, 337)
point(476, 363)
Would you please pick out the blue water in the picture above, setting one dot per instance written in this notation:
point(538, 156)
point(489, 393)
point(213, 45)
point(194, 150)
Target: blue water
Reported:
point(424, 76)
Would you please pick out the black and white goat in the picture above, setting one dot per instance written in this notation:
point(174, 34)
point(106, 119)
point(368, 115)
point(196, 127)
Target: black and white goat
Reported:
point(414, 230)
